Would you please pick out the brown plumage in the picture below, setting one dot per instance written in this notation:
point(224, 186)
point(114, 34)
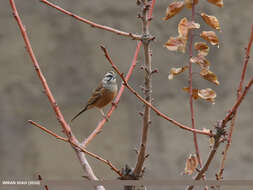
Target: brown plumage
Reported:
point(101, 96)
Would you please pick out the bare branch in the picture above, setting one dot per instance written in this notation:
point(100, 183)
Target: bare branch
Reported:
point(48, 131)
point(92, 24)
point(190, 87)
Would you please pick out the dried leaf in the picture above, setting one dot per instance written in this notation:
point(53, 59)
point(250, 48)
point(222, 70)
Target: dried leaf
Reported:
point(184, 26)
point(211, 21)
point(194, 92)
point(189, 3)
point(176, 44)
point(201, 61)
point(210, 76)
point(173, 9)
point(176, 71)
point(191, 164)
point(218, 3)
point(210, 36)
point(202, 48)
point(207, 94)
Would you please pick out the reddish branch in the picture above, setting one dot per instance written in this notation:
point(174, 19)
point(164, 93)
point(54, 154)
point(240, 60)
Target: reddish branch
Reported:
point(190, 89)
point(159, 113)
point(48, 131)
point(59, 116)
point(92, 24)
point(239, 92)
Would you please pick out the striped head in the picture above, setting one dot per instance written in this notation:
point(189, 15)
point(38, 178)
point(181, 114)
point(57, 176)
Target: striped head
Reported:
point(109, 77)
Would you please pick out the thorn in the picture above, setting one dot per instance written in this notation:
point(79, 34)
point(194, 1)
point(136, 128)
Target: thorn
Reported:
point(146, 156)
point(149, 122)
point(141, 114)
point(86, 177)
point(136, 151)
point(138, 2)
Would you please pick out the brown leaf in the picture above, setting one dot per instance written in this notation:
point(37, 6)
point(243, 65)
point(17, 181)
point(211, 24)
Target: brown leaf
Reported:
point(210, 76)
point(201, 61)
point(218, 3)
point(173, 9)
point(184, 26)
point(191, 164)
point(176, 44)
point(202, 48)
point(189, 3)
point(211, 21)
point(194, 92)
point(207, 94)
point(210, 36)
point(176, 71)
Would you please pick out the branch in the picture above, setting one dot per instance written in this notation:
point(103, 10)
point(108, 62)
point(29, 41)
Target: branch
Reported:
point(48, 131)
point(92, 24)
point(190, 88)
point(145, 6)
point(239, 91)
point(125, 83)
point(231, 113)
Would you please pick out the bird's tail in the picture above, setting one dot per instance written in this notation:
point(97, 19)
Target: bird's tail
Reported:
point(83, 110)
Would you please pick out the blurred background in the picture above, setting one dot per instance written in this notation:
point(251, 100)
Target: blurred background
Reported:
point(70, 58)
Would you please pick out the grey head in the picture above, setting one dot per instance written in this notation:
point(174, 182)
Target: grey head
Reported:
point(109, 80)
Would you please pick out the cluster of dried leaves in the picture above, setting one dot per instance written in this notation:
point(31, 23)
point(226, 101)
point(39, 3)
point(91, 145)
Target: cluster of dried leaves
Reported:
point(179, 44)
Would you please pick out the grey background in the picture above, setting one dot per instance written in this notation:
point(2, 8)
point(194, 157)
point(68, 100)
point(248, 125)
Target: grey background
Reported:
point(70, 58)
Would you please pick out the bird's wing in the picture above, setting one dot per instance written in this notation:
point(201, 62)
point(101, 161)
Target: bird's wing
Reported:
point(96, 95)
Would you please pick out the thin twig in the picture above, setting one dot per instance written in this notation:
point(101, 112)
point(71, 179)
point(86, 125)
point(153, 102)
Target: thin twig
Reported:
point(80, 147)
point(159, 113)
point(195, 140)
point(239, 91)
point(229, 116)
point(48, 131)
point(92, 24)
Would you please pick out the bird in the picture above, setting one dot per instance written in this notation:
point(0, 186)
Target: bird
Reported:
point(102, 95)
